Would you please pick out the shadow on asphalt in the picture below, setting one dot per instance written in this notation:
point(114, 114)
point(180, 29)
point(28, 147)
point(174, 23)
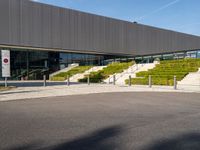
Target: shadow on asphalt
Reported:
point(98, 140)
point(184, 142)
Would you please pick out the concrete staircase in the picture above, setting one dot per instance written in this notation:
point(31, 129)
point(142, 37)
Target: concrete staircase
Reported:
point(192, 79)
point(76, 77)
point(64, 70)
point(131, 71)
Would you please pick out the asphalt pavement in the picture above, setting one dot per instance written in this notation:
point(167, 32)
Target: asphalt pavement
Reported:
point(107, 121)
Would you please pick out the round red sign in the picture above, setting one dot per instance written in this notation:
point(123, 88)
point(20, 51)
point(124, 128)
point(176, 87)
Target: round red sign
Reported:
point(5, 60)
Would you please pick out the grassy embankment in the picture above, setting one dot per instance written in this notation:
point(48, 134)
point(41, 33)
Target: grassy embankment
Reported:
point(63, 75)
point(99, 76)
point(163, 73)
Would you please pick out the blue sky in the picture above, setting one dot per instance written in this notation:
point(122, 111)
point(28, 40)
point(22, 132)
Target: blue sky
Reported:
point(179, 15)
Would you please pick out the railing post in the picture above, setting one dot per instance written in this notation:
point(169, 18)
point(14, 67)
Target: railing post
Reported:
point(88, 80)
point(45, 80)
point(175, 83)
point(150, 81)
point(68, 81)
point(129, 83)
point(113, 79)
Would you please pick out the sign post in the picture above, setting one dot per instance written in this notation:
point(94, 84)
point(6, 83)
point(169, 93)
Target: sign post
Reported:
point(5, 58)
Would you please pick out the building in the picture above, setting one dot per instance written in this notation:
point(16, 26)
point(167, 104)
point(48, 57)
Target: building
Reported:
point(42, 36)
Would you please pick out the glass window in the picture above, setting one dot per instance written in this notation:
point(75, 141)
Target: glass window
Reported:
point(191, 54)
point(198, 54)
point(168, 56)
point(179, 55)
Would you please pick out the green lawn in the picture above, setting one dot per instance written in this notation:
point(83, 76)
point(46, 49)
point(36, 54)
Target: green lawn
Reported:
point(163, 73)
point(99, 76)
point(63, 75)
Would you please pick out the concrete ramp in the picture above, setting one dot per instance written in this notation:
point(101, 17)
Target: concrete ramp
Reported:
point(191, 80)
point(64, 70)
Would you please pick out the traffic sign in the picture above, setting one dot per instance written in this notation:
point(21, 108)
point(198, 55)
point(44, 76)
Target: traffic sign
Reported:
point(5, 57)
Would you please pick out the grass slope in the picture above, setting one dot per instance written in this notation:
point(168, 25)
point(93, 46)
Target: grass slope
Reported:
point(99, 76)
point(164, 72)
point(63, 75)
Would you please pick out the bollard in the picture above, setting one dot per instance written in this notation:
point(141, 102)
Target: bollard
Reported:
point(68, 81)
point(45, 80)
point(129, 83)
point(88, 80)
point(150, 81)
point(113, 79)
point(175, 84)
point(6, 82)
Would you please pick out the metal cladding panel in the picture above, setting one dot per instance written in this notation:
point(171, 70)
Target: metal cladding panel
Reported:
point(14, 22)
point(31, 24)
point(26, 24)
point(65, 34)
point(4, 24)
point(46, 26)
point(37, 24)
point(56, 28)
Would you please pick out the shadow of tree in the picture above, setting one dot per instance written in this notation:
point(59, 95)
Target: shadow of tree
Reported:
point(184, 142)
point(98, 140)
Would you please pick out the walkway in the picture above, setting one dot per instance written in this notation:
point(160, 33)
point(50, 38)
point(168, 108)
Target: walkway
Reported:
point(27, 92)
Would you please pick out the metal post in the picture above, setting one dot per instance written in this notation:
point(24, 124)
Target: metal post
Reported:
point(45, 80)
point(175, 84)
point(88, 80)
point(68, 81)
point(129, 83)
point(6, 83)
point(150, 81)
point(113, 79)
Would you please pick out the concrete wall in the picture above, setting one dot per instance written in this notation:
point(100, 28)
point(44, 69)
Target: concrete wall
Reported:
point(30, 24)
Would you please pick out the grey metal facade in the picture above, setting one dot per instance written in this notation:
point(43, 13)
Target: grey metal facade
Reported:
point(29, 24)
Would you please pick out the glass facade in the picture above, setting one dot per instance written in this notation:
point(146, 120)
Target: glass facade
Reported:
point(32, 65)
point(170, 56)
point(28, 64)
